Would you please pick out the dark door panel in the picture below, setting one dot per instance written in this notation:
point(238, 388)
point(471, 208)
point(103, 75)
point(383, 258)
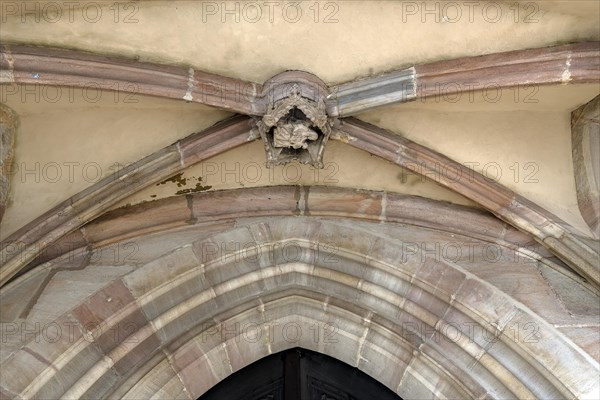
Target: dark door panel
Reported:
point(299, 374)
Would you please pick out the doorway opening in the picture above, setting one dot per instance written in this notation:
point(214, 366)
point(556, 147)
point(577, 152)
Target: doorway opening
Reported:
point(299, 374)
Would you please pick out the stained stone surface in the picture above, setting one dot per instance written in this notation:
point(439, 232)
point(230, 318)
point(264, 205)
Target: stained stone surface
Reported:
point(8, 126)
point(383, 297)
point(136, 291)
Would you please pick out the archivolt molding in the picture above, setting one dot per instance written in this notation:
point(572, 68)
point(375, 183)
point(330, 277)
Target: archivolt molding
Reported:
point(220, 209)
point(177, 306)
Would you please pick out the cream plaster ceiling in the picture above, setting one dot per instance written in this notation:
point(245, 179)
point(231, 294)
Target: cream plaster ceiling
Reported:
point(349, 38)
point(82, 141)
point(68, 139)
point(524, 146)
point(72, 145)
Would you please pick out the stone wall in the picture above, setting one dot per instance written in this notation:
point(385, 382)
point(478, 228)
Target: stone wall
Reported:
point(8, 127)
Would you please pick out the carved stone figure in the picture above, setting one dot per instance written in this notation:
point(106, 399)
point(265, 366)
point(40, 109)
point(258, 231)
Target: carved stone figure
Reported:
point(295, 128)
point(294, 135)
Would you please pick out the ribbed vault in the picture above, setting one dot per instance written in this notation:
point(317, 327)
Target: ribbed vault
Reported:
point(166, 298)
point(23, 246)
point(186, 310)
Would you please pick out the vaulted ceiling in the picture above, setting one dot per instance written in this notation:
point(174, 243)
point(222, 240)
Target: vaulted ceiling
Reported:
point(452, 122)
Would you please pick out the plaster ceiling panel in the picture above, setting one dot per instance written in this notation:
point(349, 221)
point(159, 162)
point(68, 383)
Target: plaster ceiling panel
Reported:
point(64, 146)
point(526, 150)
point(336, 40)
point(345, 166)
point(580, 8)
point(560, 98)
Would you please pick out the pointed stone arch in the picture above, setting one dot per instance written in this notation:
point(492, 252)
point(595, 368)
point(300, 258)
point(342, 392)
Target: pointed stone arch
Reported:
point(416, 324)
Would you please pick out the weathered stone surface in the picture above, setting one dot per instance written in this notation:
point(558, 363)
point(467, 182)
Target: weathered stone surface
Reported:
point(252, 202)
point(16, 303)
point(153, 246)
point(390, 350)
point(376, 266)
point(159, 383)
point(8, 126)
point(423, 378)
point(521, 280)
point(78, 69)
point(585, 337)
point(194, 368)
point(146, 218)
point(443, 282)
point(117, 326)
point(16, 379)
point(161, 271)
point(226, 135)
point(483, 301)
point(66, 288)
point(101, 387)
point(371, 309)
point(446, 352)
point(99, 197)
point(403, 208)
point(250, 347)
point(535, 382)
point(68, 243)
point(541, 343)
point(340, 202)
point(69, 374)
point(585, 135)
point(582, 303)
point(51, 382)
point(513, 208)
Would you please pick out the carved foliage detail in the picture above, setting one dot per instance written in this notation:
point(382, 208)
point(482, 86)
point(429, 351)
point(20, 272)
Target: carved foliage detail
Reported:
point(295, 128)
